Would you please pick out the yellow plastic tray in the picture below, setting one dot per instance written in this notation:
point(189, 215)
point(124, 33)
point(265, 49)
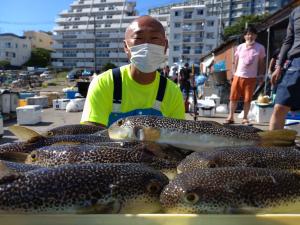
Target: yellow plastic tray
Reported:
point(152, 219)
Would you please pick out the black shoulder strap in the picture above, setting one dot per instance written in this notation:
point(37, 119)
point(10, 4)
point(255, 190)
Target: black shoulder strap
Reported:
point(161, 89)
point(116, 72)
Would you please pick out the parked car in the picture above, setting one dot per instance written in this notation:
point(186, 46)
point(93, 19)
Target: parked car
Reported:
point(46, 75)
point(74, 74)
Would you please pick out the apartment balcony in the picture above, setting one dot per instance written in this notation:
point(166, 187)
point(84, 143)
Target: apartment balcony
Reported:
point(85, 36)
point(56, 55)
point(85, 45)
point(57, 64)
point(57, 37)
point(57, 46)
point(85, 55)
point(117, 55)
point(84, 64)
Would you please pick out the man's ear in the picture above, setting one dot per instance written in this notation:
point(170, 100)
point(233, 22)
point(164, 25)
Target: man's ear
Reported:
point(126, 50)
point(167, 46)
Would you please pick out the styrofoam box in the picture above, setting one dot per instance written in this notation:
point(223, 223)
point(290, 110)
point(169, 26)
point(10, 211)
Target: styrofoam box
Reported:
point(29, 114)
point(263, 114)
point(216, 99)
point(60, 104)
point(207, 111)
point(38, 100)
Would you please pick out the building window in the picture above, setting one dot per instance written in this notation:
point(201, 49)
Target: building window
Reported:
point(176, 48)
point(109, 16)
point(175, 59)
point(177, 25)
point(187, 27)
point(14, 55)
point(7, 45)
point(16, 45)
point(200, 26)
point(79, 10)
point(210, 23)
point(177, 13)
point(198, 49)
point(210, 35)
point(107, 25)
point(76, 18)
point(208, 48)
point(111, 7)
point(75, 26)
point(103, 0)
point(66, 27)
point(188, 15)
point(99, 17)
point(186, 49)
point(24, 46)
point(177, 36)
point(200, 12)
point(101, 9)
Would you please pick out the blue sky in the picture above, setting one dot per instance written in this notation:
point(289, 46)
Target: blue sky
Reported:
point(17, 16)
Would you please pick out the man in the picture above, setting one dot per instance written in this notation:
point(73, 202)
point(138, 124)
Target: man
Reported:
point(137, 88)
point(288, 90)
point(184, 80)
point(249, 66)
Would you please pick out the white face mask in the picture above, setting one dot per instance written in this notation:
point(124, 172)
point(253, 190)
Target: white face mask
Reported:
point(147, 57)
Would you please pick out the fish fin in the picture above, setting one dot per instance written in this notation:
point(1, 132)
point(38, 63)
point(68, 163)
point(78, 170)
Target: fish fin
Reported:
point(282, 137)
point(66, 143)
point(111, 206)
point(7, 175)
point(148, 134)
point(15, 156)
point(24, 133)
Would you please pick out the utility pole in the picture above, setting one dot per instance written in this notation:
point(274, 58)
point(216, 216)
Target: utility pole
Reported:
point(221, 22)
point(119, 32)
point(95, 41)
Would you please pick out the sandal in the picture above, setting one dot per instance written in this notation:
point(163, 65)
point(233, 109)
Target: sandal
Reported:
point(246, 122)
point(227, 121)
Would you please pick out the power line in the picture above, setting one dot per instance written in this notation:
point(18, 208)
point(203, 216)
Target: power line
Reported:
point(26, 23)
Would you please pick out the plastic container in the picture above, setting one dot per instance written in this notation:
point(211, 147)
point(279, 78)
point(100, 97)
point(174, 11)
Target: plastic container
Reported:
point(29, 115)
point(24, 95)
point(38, 100)
point(14, 101)
point(263, 113)
point(5, 103)
point(51, 96)
point(22, 102)
point(60, 104)
point(70, 94)
point(83, 88)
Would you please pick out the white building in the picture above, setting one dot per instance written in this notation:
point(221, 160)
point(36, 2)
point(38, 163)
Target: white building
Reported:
point(15, 49)
point(76, 43)
point(192, 34)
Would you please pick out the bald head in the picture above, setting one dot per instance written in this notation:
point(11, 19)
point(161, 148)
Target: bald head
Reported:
point(145, 23)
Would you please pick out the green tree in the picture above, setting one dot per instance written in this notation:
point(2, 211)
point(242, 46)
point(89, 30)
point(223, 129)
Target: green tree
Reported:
point(108, 66)
point(39, 58)
point(238, 27)
point(4, 64)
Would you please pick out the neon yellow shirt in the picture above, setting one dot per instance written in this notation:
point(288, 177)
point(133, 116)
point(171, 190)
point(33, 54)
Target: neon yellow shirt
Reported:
point(98, 105)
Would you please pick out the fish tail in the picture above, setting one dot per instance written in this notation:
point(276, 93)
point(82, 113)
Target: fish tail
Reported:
point(24, 133)
point(282, 137)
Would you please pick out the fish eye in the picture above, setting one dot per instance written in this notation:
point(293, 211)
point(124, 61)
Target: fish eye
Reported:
point(212, 165)
point(120, 122)
point(50, 133)
point(191, 198)
point(33, 156)
point(153, 187)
